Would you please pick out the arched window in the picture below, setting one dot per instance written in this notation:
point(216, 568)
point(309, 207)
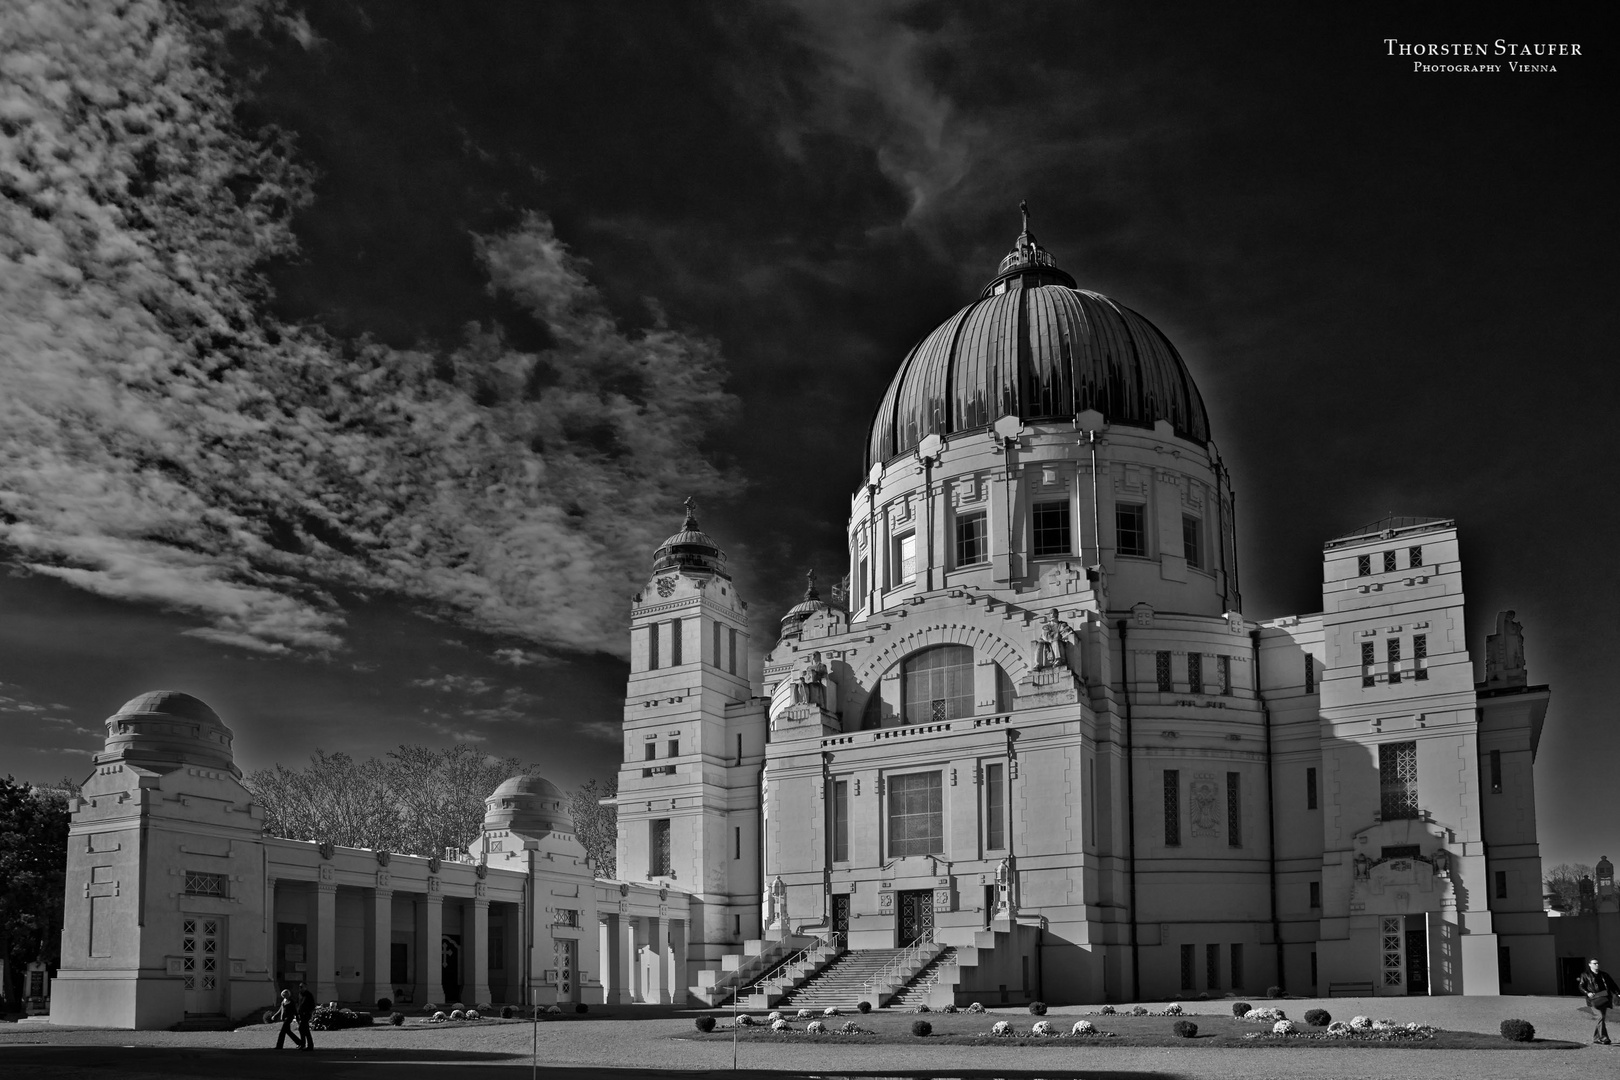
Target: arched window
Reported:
point(937, 684)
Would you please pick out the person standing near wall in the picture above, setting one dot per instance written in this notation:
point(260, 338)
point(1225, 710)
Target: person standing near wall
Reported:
point(1601, 992)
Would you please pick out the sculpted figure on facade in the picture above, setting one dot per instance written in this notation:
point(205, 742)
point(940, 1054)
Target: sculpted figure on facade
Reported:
point(1051, 647)
point(811, 688)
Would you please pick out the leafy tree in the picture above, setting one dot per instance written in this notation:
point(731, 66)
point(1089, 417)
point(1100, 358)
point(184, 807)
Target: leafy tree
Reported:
point(1564, 883)
point(33, 873)
point(597, 826)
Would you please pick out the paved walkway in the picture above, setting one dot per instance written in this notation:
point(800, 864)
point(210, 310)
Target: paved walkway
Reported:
point(610, 1045)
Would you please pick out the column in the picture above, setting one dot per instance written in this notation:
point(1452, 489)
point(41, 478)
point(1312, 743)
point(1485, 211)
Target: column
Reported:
point(376, 975)
point(476, 939)
point(615, 980)
point(657, 965)
point(635, 936)
point(429, 961)
point(321, 975)
point(677, 961)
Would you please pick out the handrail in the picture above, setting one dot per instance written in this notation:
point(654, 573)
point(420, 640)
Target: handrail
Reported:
point(747, 973)
point(908, 955)
point(796, 957)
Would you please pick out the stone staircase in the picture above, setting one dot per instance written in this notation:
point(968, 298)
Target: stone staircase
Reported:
point(759, 976)
point(920, 990)
point(841, 983)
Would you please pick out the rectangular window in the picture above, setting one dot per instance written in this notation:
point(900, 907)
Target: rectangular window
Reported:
point(995, 815)
point(650, 753)
point(1363, 565)
point(652, 647)
point(1172, 807)
point(1310, 674)
point(971, 537)
point(1223, 674)
point(199, 883)
point(736, 926)
point(1195, 673)
point(1420, 656)
point(905, 559)
point(1392, 649)
point(1188, 975)
point(674, 748)
point(715, 659)
point(1212, 966)
point(1504, 963)
point(739, 749)
point(1496, 772)
point(1389, 561)
point(658, 862)
point(1415, 554)
point(1501, 884)
point(1051, 529)
point(567, 917)
point(1161, 670)
point(1316, 894)
point(1130, 529)
point(1310, 789)
point(916, 815)
point(863, 581)
point(732, 652)
point(1234, 810)
point(737, 850)
point(1192, 541)
point(1237, 966)
point(840, 821)
point(675, 643)
point(1367, 661)
point(1397, 779)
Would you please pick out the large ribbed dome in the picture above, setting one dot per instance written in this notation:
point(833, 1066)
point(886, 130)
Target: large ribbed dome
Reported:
point(1035, 347)
point(167, 727)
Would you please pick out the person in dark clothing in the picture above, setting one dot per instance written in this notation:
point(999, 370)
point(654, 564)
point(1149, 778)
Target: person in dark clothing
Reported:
point(1601, 996)
point(287, 1014)
point(306, 1009)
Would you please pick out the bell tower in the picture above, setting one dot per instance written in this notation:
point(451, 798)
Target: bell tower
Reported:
point(694, 743)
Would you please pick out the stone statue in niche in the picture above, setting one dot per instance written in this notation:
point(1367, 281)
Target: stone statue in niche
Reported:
point(1052, 644)
point(777, 914)
point(1504, 652)
point(1205, 822)
point(811, 687)
point(1363, 866)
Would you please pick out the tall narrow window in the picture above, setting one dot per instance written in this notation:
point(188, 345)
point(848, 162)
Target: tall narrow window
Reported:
point(652, 647)
point(1501, 884)
point(905, 559)
point(1496, 772)
point(1316, 894)
point(916, 815)
point(1310, 789)
point(1195, 672)
point(739, 749)
point(1234, 810)
point(1420, 656)
point(1130, 529)
point(1368, 677)
point(658, 848)
point(674, 752)
point(1389, 561)
point(1051, 521)
point(737, 851)
point(731, 653)
point(1192, 541)
point(1212, 966)
point(1392, 649)
point(1223, 674)
point(1415, 555)
point(675, 643)
point(840, 821)
point(1397, 780)
point(995, 801)
point(650, 753)
point(1161, 670)
point(1091, 797)
point(1237, 966)
point(1172, 807)
point(1363, 565)
point(863, 579)
point(971, 534)
point(1310, 674)
point(1188, 975)
point(1504, 963)
point(937, 684)
point(716, 654)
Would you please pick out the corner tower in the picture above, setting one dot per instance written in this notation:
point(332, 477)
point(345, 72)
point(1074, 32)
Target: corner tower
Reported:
point(694, 741)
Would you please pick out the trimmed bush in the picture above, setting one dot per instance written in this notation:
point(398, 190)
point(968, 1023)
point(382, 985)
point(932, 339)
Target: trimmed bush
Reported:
point(582, 1008)
point(921, 1028)
point(950, 1008)
point(1139, 1010)
point(865, 1006)
point(744, 1020)
point(458, 1014)
point(1037, 1008)
point(385, 1004)
point(429, 1009)
point(1173, 1010)
point(1185, 1028)
point(554, 1010)
point(781, 1025)
point(776, 1014)
point(439, 1017)
point(1283, 1027)
point(1274, 992)
point(1318, 1017)
point(704, 1024)
point(804, 1014)
point(1518, 1030)
point(1084, 1027)
point(975, 1008)
point(1106, 1010)
point(1001, 1028)
point(1240, 1007)
point(474, 1014)
point(831, 1010)
point(922, 1008)
point(851, 1028)
point(815, 1027)
point(396, 1018)
point(1041, 1028)
point(507, 1012)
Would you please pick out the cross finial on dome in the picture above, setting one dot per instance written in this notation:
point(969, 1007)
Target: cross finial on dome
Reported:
point(691, 523)
point(1023, 208)
point(810, 592)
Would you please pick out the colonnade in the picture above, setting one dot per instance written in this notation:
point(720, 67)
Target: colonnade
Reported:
point(643, 958)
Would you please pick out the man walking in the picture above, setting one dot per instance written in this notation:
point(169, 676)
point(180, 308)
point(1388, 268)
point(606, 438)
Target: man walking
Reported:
point(306, 1009)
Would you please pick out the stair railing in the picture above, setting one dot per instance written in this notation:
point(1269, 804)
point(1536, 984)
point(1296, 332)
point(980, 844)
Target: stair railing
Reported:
point(891, 971)
point(820, 942)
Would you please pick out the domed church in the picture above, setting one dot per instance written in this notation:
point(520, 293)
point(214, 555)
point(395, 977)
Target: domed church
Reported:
point(1033, 749)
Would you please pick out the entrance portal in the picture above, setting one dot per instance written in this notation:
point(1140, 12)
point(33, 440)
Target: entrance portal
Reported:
point(840, 917)
point(201, 949)
point(1404, 955)
point(916, 917)
point(450, 967)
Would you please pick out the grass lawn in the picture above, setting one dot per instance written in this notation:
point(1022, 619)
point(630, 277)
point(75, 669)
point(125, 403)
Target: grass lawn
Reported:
point(1214, 1029)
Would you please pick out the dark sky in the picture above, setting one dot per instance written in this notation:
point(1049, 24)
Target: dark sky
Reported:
point(1392, 287)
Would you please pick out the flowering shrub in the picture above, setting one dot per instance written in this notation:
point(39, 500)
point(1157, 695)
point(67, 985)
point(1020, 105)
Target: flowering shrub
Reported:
point(922, 1028)
point(850, 1028)
point(439, 1017)
point(744, 1020)
point(1186, 1028)
point(781, 1025)
point(332, 1018)
point(831, 1010)
point(922, 1007)
point(429, 1009)
point(1318, 1017)
point(1106, 1010)
point(456, 1007)
point(396, 1018)
point(950, 1008)
point(1042, 1027)
point(1083, 1027)
point(1361, 1023)
point(1274, 992)
point(474, 1014)
point(776, 1014)
point(1264, 1016)
point(1173, 1010)
point(1283, 1027)
point(1001, 1028)
point(1518, 1030)
point(1139, 1010)
point(804, 1014)
point(458, 1014)
point(1240, 1007)
point(1339, 1027)
point(815, 1027)
point(555, 1010)
point(1037, 1008)
point(704, 1023)
point(975, 1008)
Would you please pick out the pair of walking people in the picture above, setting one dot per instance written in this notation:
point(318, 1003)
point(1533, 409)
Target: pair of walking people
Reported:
point(300, 1011)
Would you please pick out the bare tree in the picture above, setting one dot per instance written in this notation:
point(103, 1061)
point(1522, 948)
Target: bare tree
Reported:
point(597, 826)
point(1563, 882)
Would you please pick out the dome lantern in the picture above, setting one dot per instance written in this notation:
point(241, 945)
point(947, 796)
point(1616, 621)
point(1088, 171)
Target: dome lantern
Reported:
point(691, 549)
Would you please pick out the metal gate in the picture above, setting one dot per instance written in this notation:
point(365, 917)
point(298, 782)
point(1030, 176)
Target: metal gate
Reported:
point(840, 916)
point(916, 917)
point(201, 949)
point(1392, 949)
